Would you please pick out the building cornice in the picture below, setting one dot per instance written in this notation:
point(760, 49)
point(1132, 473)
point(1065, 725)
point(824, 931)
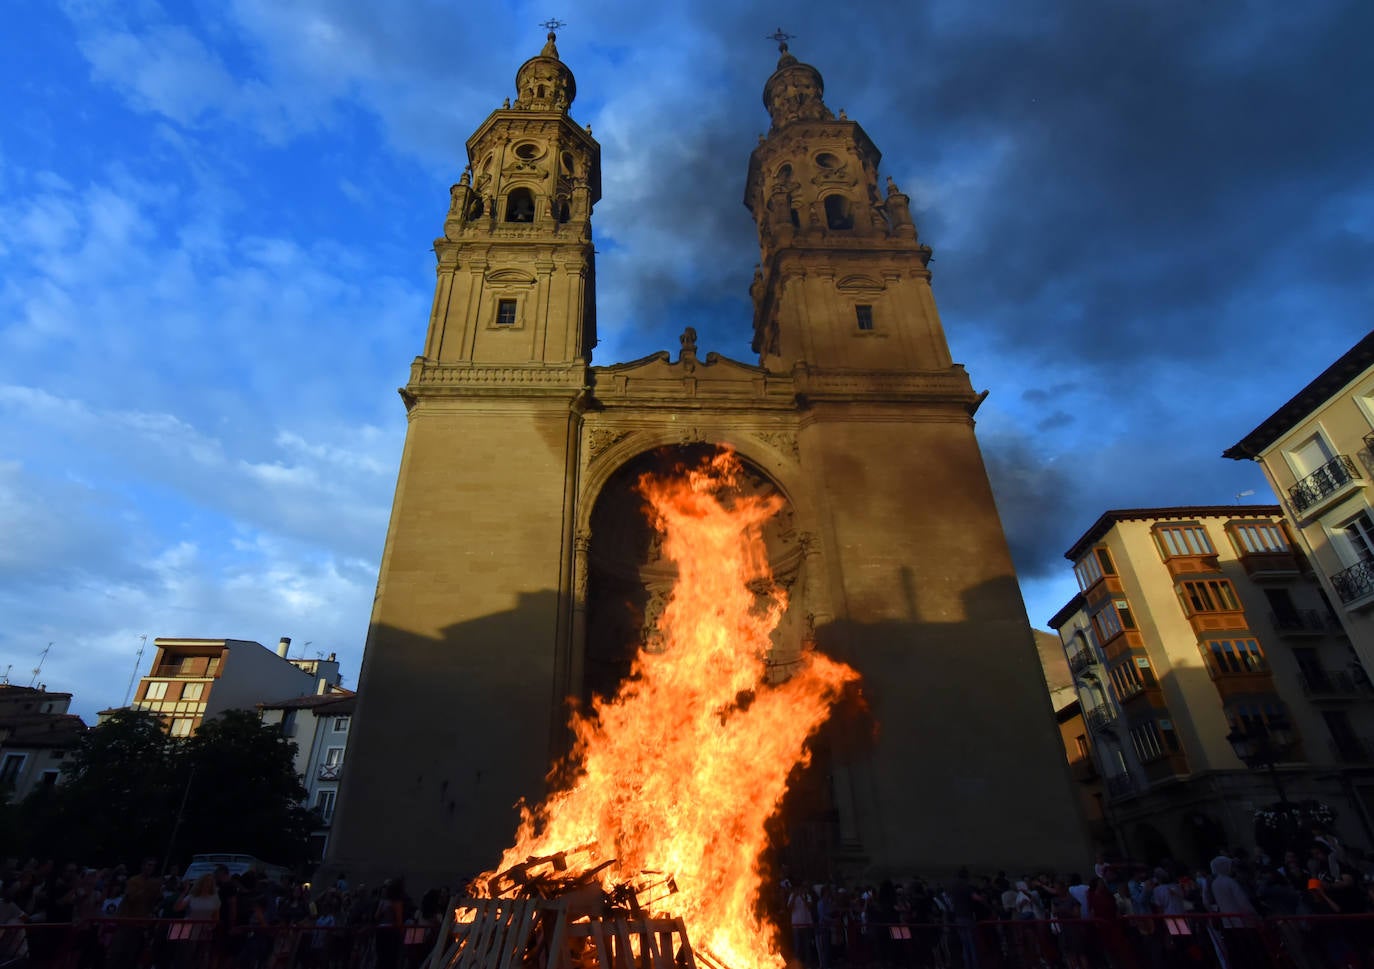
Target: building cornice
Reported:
point(1348, 367)
point(1110, 518)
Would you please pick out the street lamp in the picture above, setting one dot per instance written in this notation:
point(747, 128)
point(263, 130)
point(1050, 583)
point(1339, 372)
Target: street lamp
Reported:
point(1265, 747)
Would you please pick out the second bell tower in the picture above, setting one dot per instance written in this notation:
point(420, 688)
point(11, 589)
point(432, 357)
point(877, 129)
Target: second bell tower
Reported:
point(516, 273)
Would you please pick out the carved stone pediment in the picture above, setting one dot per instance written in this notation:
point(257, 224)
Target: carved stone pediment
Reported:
point(659, 379)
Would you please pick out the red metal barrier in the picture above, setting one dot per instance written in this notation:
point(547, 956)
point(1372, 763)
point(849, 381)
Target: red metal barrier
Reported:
point(111, 943)
point(1191, 941)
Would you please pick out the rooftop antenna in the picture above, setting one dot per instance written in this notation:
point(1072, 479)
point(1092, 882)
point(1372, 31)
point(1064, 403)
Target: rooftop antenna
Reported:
point(138, 661)
point(6, 680)
point(1244, 494)
point(42, 658)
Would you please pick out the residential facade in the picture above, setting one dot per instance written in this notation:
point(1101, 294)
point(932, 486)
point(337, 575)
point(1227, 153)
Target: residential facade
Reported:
point(36, 736)
point(1315, 451)
point(1195, 627)
point(192, 679)
point(1073, 734)
point(318, 724)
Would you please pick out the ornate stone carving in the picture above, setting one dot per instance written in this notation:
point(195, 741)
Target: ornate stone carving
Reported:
point(783, 442)
point(600, 438)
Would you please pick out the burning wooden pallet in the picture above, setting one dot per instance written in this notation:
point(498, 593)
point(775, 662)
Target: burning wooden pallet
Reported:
point(549, 914)
point(539, 933)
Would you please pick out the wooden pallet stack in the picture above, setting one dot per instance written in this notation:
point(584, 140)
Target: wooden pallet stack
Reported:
point(541, 933)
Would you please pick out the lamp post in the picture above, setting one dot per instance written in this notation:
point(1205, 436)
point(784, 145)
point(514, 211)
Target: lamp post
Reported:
point(1265, 747)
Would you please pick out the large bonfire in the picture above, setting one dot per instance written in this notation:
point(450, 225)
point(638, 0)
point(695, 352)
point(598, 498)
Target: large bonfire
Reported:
point(678, 773)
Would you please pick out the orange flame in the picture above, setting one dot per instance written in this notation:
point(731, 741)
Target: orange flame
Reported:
point(680, 770)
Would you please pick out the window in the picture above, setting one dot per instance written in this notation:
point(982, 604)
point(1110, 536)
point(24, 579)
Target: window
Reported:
point(520, 206)
point(1211, 595)
point(1254, 717)
point(505, 312)
point(839, 214)
point(1357, 535)
point(1081, 741)
point(1258, 537)
point(1310, 455)
point(1186, 539)
point(340, 724)
point(324, 803)
point(1104, 560)
point(1237, 656)
point(864, 315)
point(1126, 680)
point(212, 668)
point(181, 726)
point(1149, 744)
point(1146, 674)
point(1089, 570)
point(156, 691)
point(333, 757)
point(1166, 730)
point(192, 691)
point(1123, 610)
point(48, 779)
point(1106, 623)
point(10, 768)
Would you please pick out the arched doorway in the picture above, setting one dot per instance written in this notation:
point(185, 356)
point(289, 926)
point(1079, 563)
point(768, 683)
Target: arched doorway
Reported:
point(629, 580)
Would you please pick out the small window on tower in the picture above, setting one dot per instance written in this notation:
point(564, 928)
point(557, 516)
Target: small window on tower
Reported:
point(864, 314)
point(505, 312)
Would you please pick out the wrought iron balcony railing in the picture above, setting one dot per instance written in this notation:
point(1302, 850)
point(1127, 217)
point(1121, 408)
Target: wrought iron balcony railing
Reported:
point(1100, 717)
point(1326, 480)
point(1337, 683)
point(1079, 660)
point(330, 772)
point(1355, 582)
point(1304, 621)
point(1120, 785)
point(1353, 750)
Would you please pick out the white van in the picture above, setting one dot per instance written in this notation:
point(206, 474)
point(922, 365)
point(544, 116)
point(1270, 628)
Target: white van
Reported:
point(237, 865)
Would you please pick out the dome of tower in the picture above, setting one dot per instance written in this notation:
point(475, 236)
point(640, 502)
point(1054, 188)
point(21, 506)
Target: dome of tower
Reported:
point(544, 83)
point(794, 92)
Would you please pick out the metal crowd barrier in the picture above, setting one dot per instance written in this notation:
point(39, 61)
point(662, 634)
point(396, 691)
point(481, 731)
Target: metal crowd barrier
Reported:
point(112, 943)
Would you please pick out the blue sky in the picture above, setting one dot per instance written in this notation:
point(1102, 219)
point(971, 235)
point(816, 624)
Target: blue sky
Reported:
point(1153, 222)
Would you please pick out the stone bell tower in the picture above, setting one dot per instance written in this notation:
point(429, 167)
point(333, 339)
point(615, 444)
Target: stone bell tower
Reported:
point(456, 697)
point(519, 569)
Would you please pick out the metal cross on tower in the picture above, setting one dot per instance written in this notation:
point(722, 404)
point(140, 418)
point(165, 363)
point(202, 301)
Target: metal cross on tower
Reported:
point(781, 37)
point(552, 24)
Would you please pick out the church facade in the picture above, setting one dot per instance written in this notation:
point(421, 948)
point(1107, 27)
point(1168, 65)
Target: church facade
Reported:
point(519, 572)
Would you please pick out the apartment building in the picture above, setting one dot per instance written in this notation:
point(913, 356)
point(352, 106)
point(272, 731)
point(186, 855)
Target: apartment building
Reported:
point(1073, 734)
point(319, 725)
point(1200, 636)
point(192, 679)
point(36, 735)
point(1316, 453)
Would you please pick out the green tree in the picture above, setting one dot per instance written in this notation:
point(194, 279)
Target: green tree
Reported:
point(116, 799)
point(129, 791)
point(243, 793)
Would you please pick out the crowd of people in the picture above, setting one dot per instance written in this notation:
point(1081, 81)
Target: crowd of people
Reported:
point(110, 919)
point(1229, 913)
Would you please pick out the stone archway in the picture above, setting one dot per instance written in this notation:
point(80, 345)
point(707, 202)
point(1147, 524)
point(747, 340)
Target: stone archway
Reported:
point(629, 581)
